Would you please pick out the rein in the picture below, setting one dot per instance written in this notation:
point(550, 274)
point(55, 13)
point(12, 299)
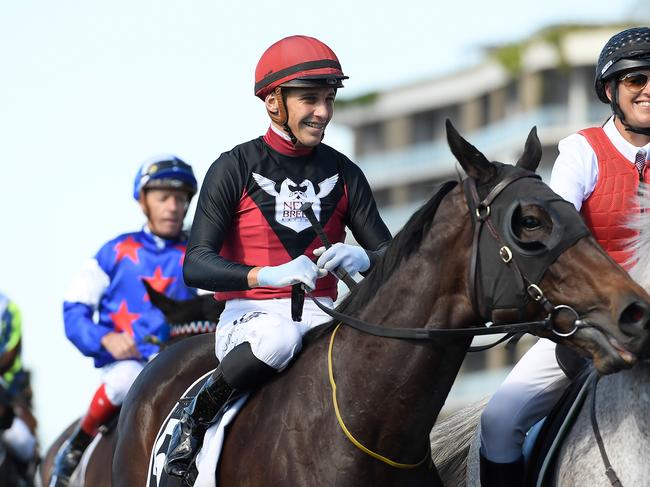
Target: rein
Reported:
point(482, 216)
point(609, 470)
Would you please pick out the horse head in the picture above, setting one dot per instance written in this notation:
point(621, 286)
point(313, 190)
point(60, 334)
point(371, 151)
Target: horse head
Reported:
point(537, 242)
point(186, 317)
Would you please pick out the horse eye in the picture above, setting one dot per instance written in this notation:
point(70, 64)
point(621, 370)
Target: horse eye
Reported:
point(531, 223)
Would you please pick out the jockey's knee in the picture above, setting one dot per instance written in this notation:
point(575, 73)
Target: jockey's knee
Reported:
point(119, 380)
point(502, 431)
point(278, 345)
point(243, 370)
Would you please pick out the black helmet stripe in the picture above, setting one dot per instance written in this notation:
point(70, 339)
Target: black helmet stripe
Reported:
point(323, 63)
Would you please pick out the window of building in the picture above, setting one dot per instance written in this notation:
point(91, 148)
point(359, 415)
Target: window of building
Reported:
point(430, 125)
point(370, 139)
point(555, 87)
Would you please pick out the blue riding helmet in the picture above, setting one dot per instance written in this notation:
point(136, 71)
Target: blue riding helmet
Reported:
point(168, 172)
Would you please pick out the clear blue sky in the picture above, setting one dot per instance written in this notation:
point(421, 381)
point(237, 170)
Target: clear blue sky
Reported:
point(89, 89)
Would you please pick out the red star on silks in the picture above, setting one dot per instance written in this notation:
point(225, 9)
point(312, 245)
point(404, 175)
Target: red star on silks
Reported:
point(182, 248)
point(158, 282)
point(123, 320)
point(127, 248)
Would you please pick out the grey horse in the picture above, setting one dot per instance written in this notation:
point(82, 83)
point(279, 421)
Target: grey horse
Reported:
point(622, 411)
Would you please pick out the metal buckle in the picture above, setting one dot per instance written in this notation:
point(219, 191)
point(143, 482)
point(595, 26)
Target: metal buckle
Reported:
point(535, 292)
point(551, 317)
point(482, 216)
point(505, 253)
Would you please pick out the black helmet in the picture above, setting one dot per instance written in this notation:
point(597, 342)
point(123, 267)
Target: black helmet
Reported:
point(626, 50)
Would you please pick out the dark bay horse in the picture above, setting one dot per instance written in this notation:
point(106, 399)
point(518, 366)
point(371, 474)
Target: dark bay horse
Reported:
point(528, 258)
point(186, 318)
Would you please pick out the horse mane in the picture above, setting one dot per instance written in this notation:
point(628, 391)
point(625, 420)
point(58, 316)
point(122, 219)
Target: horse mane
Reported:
point(640, 245)
point(405, 243)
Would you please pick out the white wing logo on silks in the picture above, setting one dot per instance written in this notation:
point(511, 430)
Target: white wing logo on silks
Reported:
point(292, 196)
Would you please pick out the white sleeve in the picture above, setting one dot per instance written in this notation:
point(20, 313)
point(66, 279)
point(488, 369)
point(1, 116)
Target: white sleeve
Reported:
point(575, 171)
point(88, 285)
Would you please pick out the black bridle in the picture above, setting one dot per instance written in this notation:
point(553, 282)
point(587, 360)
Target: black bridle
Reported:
point(481, 213)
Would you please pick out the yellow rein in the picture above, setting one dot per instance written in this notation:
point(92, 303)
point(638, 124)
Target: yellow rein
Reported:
point(354, 441)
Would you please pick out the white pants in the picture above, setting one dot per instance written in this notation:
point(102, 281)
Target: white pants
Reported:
point(118, 378)
point(267, 325)
point(527, 395)
point(19, 440)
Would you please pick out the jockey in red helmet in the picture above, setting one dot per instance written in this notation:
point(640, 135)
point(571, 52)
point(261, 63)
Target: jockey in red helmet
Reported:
point(250, 241)
point(294, 62)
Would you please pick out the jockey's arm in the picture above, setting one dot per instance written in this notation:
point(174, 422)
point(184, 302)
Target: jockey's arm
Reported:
point(81, 302)
point(203, 267)
point(366, 224)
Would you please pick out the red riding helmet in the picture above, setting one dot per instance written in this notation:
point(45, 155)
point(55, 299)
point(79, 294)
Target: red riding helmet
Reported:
point(299, 61)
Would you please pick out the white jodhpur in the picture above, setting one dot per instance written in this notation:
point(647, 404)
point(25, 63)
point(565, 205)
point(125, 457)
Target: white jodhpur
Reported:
point(267, 325)
point(527, 395)
point(118, 377)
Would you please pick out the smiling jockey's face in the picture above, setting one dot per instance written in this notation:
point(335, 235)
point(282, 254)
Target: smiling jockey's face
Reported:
point(309, 111)
point(165, 210)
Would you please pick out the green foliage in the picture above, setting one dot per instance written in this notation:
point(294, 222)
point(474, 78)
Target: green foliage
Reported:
point(365, 99)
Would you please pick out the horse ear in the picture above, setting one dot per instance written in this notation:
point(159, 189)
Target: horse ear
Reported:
point(529, 160)
point(474, 163)
point(159, 300)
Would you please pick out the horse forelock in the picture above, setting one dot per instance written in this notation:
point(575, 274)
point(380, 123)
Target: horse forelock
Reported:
point(640, 244)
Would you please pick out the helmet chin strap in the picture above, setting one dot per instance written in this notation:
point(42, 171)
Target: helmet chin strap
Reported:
point(282, 116)
point(621, 116)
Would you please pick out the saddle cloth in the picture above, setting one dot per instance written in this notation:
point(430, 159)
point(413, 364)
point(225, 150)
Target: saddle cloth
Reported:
point(208, 457)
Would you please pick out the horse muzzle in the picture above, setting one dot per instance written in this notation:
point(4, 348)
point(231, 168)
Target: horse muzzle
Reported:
point(634, 324)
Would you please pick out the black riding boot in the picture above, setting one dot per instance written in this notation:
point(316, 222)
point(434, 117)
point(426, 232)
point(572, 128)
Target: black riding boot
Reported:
point(195, 419)
point(67, 460)
point(502, 474)
point(243, 372)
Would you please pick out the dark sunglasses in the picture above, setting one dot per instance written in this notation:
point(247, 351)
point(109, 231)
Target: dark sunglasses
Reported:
point(634, 82)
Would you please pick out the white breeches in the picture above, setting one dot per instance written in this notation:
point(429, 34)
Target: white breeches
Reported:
point(118, 378)
point(267, 325)
point(19, 440)
point(527, 395)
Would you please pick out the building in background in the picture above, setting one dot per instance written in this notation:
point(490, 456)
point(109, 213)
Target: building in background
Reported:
point(399, 139)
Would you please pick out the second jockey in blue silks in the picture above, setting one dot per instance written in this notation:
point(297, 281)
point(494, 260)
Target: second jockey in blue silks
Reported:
point(107, 313)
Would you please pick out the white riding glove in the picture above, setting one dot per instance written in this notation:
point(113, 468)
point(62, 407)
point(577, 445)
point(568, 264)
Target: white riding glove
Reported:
point(300, 269)
point(349, 257)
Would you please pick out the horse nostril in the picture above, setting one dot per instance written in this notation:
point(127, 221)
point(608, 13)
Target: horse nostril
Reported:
point(635, 317)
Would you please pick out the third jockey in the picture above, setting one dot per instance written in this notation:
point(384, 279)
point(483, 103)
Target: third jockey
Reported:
point(599, 170)
point(128, 327)
point(250, 242)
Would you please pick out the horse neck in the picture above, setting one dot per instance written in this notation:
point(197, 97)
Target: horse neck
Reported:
point(403, 379)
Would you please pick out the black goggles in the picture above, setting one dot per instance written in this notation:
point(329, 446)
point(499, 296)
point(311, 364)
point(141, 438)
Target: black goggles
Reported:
point(634, 82)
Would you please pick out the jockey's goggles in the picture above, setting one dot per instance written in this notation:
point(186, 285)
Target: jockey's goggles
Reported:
point(634, 82)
